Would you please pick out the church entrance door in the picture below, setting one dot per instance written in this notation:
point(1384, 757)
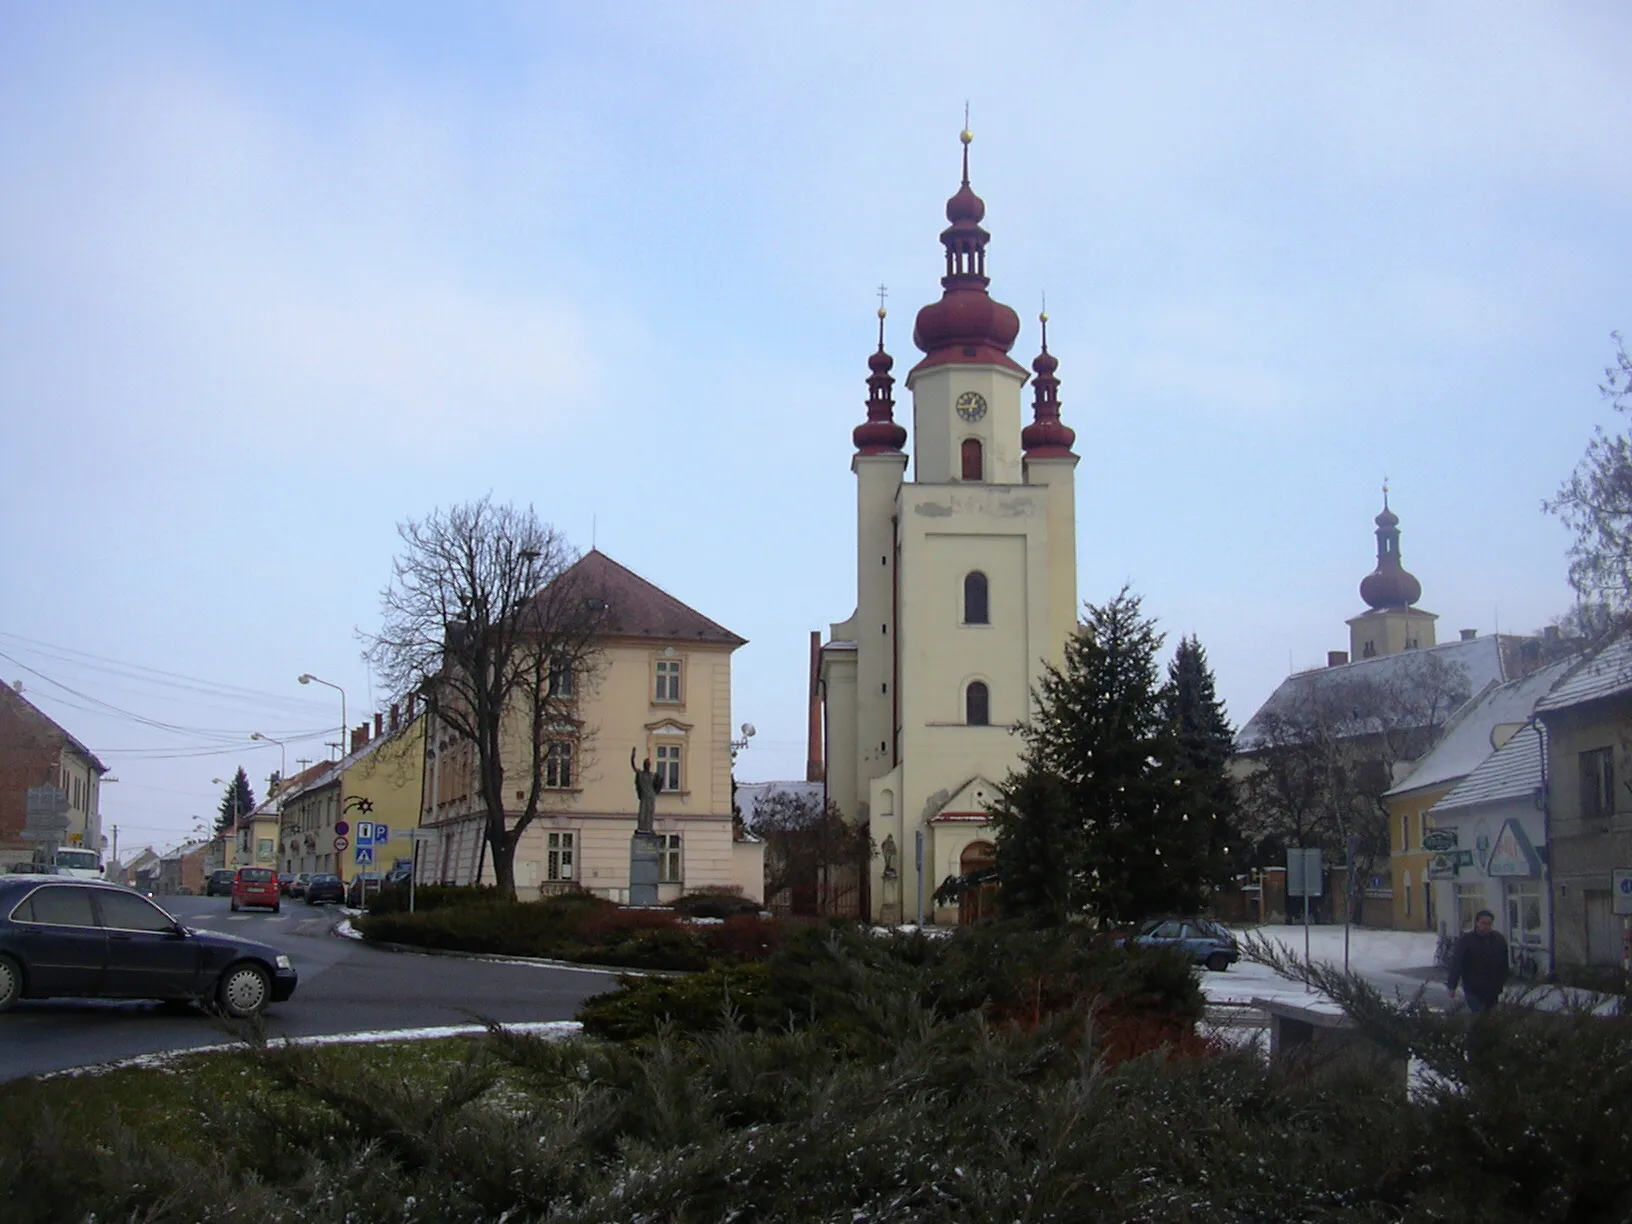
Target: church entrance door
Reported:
point(979, 902)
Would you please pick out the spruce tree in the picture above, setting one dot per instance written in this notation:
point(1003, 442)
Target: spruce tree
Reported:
point(1203, 744)
point(237, 800)
point(1039, 848)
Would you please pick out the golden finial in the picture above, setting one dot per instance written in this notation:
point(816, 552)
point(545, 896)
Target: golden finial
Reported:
point(1043, 316)
point(966, 135)
point(882, 294)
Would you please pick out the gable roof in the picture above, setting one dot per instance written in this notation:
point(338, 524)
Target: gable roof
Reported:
point(1606, 674)
point(1466, 742)
point(1513, 771)
point(1484, 661)
point(51, 726)
point(638, 608)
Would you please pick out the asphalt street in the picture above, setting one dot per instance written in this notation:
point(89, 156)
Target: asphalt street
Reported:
point(345, 986)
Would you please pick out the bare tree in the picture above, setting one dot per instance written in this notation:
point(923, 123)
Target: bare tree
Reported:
point(487, 618)
point(1325, 756)
point(1596, 503)
point(810, 849)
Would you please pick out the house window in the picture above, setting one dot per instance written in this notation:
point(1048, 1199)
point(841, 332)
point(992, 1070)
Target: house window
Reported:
point(973, 467)
point(559, 863)
point(1597, 784)
point(668, 859)
point(668, 680)
point(974, 599)
point(263, 848)
point(976, 703)
point(1407, 891)
point(560, 677)
point(558, 765)
point(668, 766)
point(1369, 651)
point(1405, 830)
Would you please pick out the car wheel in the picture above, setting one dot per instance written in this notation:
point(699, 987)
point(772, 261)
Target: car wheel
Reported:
point(245, 990)
point(11, 982)
point(277, 909)
point(235, 907)
point(1218, 962)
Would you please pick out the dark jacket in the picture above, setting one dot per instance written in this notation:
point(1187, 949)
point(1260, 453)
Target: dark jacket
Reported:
point(1479, 963)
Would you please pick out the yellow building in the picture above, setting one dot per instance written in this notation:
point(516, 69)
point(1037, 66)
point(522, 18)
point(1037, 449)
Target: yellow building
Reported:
point(660, 689)
point(966, 585)
point(326, 811)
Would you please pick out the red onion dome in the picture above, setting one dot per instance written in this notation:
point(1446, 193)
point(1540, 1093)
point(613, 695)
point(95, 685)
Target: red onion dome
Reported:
point(879, 434)
point(1390, 585)
point(966, 325)
point(1047, 437)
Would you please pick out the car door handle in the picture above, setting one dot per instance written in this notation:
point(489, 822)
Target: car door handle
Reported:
point(117, 935)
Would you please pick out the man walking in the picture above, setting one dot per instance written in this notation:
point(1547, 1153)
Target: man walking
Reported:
point(1479, 962)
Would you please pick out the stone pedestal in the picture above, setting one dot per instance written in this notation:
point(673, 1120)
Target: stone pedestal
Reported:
point(644, 849)
point(889, 909)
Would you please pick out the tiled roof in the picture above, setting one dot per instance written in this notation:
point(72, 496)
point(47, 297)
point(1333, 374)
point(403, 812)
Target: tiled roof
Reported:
point(1467, 739)
point(305, 780)
point(1481, 659)
point(31, 711)
point(1606, 674)
point(1514, 771)
point(640, 609)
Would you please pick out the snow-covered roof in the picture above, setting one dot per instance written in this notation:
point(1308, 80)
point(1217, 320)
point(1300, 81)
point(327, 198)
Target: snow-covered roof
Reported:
point(749, 794)
point(1605, 674)
point(1480, 659)
point(1514, 771)
point(1468, 737)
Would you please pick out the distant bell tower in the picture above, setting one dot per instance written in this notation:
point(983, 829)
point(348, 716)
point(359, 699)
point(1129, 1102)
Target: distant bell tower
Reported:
point(1392, 621)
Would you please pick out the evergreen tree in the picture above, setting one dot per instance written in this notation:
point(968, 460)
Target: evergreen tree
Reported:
point(1204, 742)
point(1039, 848)
point(1113, 810)
point(237, 800)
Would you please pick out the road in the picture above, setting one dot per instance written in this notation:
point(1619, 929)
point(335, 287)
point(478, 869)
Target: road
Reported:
point(345, 987)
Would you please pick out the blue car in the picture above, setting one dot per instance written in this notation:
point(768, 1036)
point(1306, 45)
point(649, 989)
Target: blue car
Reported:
point(83, 939)
point(1205, 941)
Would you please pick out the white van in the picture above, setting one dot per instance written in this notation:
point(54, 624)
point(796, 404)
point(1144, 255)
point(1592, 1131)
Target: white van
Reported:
point(82, 864)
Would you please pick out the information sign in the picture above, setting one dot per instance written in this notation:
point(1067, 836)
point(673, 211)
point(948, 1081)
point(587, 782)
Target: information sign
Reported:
point(365, 832)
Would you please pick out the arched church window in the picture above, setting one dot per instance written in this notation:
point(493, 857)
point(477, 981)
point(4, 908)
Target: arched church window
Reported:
point(973, 461)
point(976, 704)
point(974, 599)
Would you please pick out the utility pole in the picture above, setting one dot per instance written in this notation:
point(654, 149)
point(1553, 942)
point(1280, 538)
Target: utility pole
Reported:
point(115, 849)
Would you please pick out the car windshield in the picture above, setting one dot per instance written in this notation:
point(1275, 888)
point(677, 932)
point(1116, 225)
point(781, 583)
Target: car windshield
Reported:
point(255, 875)
point(224, 875)
point(84, 859)
point(325, 879)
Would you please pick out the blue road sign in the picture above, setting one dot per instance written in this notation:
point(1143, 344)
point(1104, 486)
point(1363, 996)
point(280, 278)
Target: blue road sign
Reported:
point(382, 833)
point(365, 856)
point(365, 832)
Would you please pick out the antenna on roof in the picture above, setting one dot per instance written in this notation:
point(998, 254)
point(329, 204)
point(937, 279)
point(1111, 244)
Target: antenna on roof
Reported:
point(592, 531)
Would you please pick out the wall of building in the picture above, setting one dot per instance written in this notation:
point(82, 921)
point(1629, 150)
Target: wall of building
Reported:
point(1415, 907)
point(1583, 852)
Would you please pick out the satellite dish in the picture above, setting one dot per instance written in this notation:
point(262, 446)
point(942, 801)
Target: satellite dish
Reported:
point(748, 730)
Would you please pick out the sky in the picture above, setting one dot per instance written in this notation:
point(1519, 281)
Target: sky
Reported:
point(275, 278)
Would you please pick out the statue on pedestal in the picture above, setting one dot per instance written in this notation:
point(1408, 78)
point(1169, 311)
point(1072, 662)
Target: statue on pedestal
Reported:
point(647, 787)
point(890, 855)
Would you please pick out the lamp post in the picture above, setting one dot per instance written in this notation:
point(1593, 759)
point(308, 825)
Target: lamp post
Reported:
point(283, 754)
point(308, 678)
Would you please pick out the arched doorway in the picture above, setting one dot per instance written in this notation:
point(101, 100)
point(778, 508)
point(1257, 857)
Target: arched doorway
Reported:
point(979, 902)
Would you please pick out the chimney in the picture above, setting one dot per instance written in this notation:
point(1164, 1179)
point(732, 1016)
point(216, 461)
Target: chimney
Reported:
point(1336, 658)
point(1550, 633)
point(396, 717)
point(1469, 634)
point(815, 768)
point(379, 725)
point(359, 737)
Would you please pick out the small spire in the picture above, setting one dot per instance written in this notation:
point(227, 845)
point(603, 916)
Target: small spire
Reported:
point(1385, 492)
point(879, 434)
point(1047, 437)
point(966, 136)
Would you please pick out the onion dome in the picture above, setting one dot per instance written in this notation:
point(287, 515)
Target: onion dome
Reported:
point(1047, 437)
point(879, 434)
point(1390, 585)
point(966, 325)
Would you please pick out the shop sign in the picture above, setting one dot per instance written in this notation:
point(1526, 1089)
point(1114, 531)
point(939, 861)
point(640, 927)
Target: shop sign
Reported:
point(1439, 840)
point(1442, 867)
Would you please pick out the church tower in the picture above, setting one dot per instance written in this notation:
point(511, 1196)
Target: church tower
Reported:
point(1392, 621)
point(965, 584)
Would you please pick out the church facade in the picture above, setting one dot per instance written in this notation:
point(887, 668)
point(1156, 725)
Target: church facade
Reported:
point(966, 584)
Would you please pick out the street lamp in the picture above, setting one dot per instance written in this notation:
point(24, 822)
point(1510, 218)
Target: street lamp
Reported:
point(308, 678)
point(283, 754)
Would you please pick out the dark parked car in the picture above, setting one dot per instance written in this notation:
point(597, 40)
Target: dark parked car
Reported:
point(220, 883)
point(1207, 942)
point(354, 890)
point(325, 886)
point(286, 881)
point(86, 939)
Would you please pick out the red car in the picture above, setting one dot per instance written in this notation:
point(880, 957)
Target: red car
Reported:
point(256, 886)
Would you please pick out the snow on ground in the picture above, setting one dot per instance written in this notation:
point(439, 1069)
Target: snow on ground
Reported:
point(1397, 963)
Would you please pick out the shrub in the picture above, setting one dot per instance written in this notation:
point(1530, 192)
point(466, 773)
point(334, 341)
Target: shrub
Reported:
point(428, 897)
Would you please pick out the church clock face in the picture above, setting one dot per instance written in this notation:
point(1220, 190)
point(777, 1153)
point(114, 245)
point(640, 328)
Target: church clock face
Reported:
point(971, 406)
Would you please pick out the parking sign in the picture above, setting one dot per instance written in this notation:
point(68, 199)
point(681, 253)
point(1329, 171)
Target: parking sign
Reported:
point(382, 833)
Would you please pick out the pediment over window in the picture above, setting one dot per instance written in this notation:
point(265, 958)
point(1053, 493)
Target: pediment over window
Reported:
point(970, 802)
point(669, 726)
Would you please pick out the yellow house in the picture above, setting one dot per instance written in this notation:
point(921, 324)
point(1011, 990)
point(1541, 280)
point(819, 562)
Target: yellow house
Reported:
point(257, 842)
point(357, 814)
point(660, 690)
